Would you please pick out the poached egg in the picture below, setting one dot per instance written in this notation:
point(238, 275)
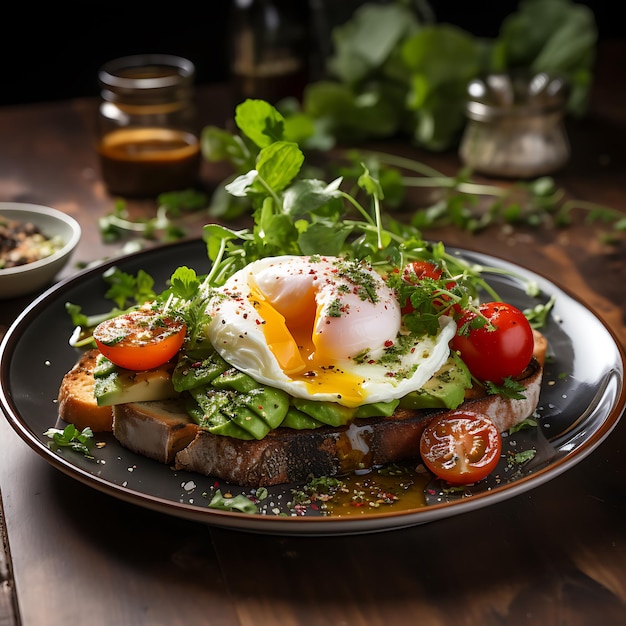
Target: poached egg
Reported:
point(322, 328)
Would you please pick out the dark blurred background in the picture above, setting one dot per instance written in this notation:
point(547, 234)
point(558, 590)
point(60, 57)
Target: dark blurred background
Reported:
point(52, 52)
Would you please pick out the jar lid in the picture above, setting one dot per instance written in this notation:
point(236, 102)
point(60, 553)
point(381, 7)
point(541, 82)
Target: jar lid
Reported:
point(146, 71)
point(515, 94)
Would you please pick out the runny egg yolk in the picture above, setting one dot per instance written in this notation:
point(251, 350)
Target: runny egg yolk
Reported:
point(322, 328)
point(301, 351)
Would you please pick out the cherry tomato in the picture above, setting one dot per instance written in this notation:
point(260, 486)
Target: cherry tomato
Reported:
point(461, 447)
point(140, 340)
point(500, 348)
point(417, 271)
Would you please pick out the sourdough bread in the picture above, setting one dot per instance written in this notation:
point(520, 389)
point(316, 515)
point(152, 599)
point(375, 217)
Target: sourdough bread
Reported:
point(163, 431)
point(286, 455)
point(290, 456)
point(76, 400)
point(157, 429)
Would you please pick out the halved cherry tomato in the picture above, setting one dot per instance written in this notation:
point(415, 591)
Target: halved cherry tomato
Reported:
point(495, 350)
point(417, 271)
point(140, 340)
point(461, 447)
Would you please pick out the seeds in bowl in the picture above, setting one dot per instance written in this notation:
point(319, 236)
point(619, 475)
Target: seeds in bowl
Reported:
point(24, 242)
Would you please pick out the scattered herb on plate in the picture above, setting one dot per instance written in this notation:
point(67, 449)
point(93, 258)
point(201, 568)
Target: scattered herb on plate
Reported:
point(72, 438)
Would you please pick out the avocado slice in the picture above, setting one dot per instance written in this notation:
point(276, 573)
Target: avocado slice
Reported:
point(299, 421)
point(114, 385)
point(445, 390)
point(216, 422)
point(226, 413)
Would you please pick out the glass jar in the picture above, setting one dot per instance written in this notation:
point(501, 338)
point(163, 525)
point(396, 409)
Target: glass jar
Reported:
point(148, 137)
point(515, 126)
point(268, 56)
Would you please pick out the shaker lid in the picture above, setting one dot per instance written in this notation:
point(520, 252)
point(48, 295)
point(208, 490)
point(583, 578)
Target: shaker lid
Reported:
point(515, 94)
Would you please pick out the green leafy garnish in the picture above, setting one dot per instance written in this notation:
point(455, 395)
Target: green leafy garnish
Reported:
point(239, 503)
point(538, 315)
point(509, 388)
point(311, 216)
point(526, 424)
point(70, 437)
point(125, 288)
point(164, 226)
point(519, 458)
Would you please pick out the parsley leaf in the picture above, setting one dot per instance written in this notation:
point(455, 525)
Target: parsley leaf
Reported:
point(71, 437)
point(509, 389)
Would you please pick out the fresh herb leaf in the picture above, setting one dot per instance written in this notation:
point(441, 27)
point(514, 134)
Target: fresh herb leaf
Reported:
point(261, 123)
point(519, 458)
point(239, 503)
point(538, 315)
point(509, 389)
point(364, 43)
point(125, 288)
point(523, 425)
point(71, 437)
point(184, 283)
point(278, 164)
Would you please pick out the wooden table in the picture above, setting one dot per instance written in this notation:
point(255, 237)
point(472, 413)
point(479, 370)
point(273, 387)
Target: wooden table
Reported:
point(554, 555)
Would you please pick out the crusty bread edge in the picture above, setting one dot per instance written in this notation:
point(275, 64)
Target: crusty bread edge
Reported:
point(76, 401)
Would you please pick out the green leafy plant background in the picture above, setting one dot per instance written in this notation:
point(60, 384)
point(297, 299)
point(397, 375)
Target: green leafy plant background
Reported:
point(394, 70)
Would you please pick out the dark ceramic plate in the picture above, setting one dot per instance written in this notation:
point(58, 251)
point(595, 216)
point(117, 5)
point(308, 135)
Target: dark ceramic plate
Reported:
point(581, 402)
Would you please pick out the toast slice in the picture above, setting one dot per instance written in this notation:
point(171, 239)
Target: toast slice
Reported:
point(159, 430)
point(285, 455)
point(162, 430)
point(76, 400)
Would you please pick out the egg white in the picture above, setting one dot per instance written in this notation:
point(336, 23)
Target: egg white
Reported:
point(348, 363)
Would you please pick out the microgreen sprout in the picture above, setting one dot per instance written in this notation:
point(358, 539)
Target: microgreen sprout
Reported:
point(538, 315)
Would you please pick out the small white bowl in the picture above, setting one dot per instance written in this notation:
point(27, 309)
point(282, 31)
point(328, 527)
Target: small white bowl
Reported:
point(28, 278)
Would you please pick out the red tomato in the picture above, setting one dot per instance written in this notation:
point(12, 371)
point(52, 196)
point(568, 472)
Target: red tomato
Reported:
point(140, 340)
point(416, 271)
point(420, 269)
point(461, 447)
point(503, 347)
